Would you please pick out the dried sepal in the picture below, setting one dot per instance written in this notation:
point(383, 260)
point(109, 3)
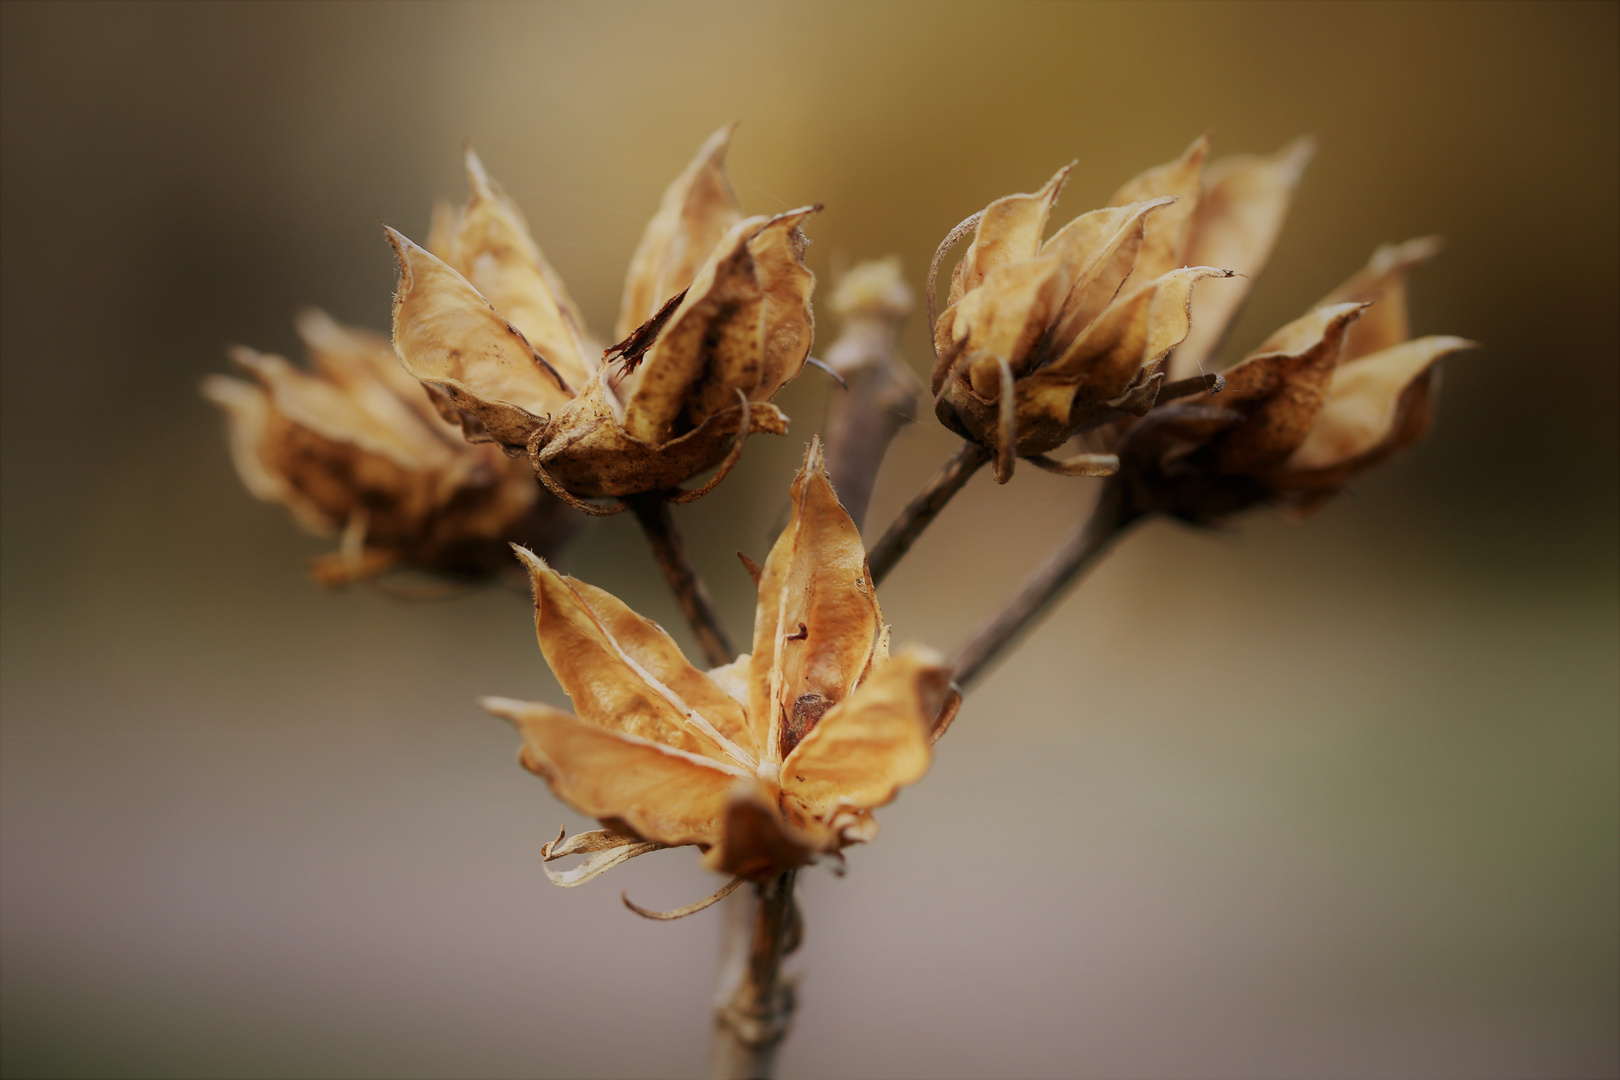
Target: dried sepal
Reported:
point(605, 848)
point(689, 909)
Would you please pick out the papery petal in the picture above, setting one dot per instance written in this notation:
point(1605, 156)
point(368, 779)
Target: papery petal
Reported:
point(1280, 389)
point(754, 840)
point(648, 645)
point(713, 343)
point(1361, 413)
point(1101, 249)
point(498, 256)
point(611, 688)
point(665, 795)
point(447, 335)
point(1010, 230)
point(251, 420)
point(817, 621)
point(790, 324)
point(1006, 316)
point(1165, 240)
point(1240, 212)
point(1382, 283)
point(871, 744)
point(697, 209)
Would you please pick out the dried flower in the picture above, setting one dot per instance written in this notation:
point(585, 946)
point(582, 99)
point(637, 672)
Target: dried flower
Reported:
point(716, 319)
point(353, 447)
point(1041, 339)
point(1328, 396)
point(765, 763)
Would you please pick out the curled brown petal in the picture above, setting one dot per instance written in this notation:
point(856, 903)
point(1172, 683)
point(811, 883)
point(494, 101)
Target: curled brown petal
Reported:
point(952, 238)
point(733, 456)
point(690, 909)
point(1007, 438)
point(1078, 465)
point(536, 442)
point(606, 848)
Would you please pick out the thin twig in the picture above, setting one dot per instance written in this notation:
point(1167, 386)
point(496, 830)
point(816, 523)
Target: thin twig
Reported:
point(755, 1005)
point(922, 510)
point(1112, 515)
point(653, 513)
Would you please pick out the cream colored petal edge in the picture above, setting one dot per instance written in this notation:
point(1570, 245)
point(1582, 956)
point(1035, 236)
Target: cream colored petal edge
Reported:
point(1363, 398)
point(663, 794)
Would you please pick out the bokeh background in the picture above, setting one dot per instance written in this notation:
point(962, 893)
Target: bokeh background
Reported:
point(1331, 800)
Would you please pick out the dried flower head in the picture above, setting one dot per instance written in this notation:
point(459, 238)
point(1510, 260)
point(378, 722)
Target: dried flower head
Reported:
point(1042, 338)
point(765, 763)
point(716, 319)
point(1328, 396)
point(353, 447)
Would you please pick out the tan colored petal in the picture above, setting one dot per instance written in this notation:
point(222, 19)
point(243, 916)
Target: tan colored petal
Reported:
point(1382, 283)
point(1006, 317)
point(696, 211)
point(1164, 244)
point(817, 622)
point(247, 414)
point(646, 644)
point(1009, 230)
point(790, 324)
point(498, 256)
point(754, 840)
point(1280, 389)
point(447, 335)
point(871, 744)
point(1101, 248)
point(1362, 409)
point(612, 688)
point(714, 342)
point(665, 795)
point(1241, 211)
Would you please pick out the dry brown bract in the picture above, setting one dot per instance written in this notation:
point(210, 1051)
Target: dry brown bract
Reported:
point(716, 319)
point(353, 447)
point(1041, 339)
point(1328, 396)
point(765, 763)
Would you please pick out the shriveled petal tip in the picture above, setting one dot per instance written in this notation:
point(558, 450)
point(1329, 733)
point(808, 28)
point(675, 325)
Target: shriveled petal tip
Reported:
point(664, 795)
point(1165, 241)
point(870, 745)
point(450, 337)
point(1382, 283)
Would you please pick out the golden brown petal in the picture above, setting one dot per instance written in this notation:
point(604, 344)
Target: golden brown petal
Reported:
point(1382, 283)
point(250, 419)
point(778, 254)
point(818, 619)
point(665, 795)
point(498, 256)
point(610, 686)
point(1240, 212)
point(1101, 248)
point(487, 376)
point(1165, 241)
point(871, 744)
point(1362, 411)
point(1009, 230)
point(696, 211)
point(1280, 389)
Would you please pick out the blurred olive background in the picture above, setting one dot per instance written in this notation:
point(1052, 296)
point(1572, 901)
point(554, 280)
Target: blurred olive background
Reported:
point(1332, 800)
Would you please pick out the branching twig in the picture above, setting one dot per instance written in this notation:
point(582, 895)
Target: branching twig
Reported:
point(925, 507)
point(653, 513)
point(1112, 515)
point(755, 1004)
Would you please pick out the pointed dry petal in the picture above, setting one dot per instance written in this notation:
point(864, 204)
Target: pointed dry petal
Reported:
point(1164, 245)
point(818, 618)
point(1101, 248)
point(1241, 211)
point(449, 337)
point(696, 211)
point(1382, 283)
point(1361, 412)
point(871, 744)
point(778, 254)
point(1006, 316)
point(498, 256)
point(1009, 230)
point(665, 795)
point(604, 848)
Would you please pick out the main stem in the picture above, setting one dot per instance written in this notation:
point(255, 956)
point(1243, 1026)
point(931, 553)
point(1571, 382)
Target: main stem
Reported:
point(755, 1004)
point(922, 510)
point(1112, 515)
point(656, 522)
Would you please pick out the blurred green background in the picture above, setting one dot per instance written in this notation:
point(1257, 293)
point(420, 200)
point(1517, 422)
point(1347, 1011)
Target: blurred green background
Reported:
point(1324, 801)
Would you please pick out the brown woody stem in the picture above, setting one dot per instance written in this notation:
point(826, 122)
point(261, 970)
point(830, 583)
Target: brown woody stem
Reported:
point(922, 510)
point(878, 398)
point(1112, 515)
point(653, 513)
point(754, 1007)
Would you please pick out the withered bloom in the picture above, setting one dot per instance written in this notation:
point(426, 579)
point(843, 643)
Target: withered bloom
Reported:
point(352, 447)
point(716, 319)
point(1043, 338)
point(1328, 396)
point(765, 763)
